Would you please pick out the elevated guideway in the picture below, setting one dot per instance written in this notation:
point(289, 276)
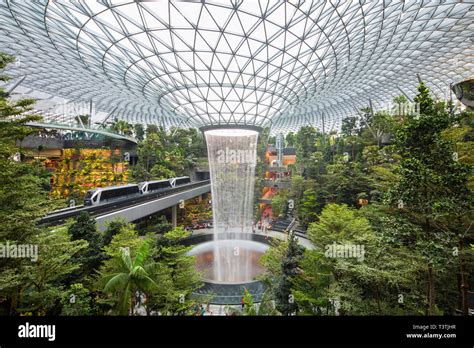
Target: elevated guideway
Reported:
point(134, 208)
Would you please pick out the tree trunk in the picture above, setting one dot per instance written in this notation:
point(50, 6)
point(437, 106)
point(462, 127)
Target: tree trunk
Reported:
point(430, 295)
point(430, 291)
point(464, 285)
point(132, 304)
point(378, 299)
point(14, 301)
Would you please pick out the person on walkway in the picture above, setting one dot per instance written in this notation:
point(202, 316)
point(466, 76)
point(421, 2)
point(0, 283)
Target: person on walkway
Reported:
point(265, 229)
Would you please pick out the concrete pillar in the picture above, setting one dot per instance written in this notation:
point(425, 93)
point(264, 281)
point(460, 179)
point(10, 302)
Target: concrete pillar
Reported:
point(174, 215)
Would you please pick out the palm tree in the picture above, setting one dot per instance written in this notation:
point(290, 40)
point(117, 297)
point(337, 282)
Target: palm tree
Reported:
point(131, 276)
point(122, 127)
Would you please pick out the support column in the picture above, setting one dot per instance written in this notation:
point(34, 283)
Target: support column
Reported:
point(174, 216)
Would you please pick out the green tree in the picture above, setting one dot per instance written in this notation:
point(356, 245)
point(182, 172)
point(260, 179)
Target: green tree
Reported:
point(271, 262)
point(13, 116)
point(350, 126)
point(185, 279)
point(308, 207)
point(325, 280)
point(266, 306)
point(126, 237)
point(382, 265)
point(305, 141)
point(76, 301)
point(337, 225)
point(290, 139)
point(310, 287)
point(298, 185)
point(155, 161)
point(139, 131)
point(280, 203)
point(380, 124)
point(23, 191)
point(249, 307)
point(131, 275)
point(433, 183)
point(84, 228)
point(112, 228)
point(40, 282)
point(284, 298)
point(151, 129)
point(122, 127)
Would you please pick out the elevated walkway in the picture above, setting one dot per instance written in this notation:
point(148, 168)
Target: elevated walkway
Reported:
point(78, 128)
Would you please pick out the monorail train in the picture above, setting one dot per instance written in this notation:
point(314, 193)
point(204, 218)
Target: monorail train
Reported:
point(106, 194)
point(182, 180)
point(160, 185)
point(152, 186)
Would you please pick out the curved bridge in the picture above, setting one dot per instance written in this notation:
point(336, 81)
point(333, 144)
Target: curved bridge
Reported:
point(81, 129)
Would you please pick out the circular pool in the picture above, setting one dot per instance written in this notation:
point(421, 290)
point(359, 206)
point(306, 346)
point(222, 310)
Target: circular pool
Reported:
point(229, 265)
point(229, 261)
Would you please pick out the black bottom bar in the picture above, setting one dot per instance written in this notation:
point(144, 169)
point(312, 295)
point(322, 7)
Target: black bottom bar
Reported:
point(244, 331)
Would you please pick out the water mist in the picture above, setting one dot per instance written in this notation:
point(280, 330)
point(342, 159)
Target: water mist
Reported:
point(232, 160)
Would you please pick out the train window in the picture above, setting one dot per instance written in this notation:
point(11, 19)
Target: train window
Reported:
point(118, 192)
point(181, 181)
point(158, 185)
point(105, 195)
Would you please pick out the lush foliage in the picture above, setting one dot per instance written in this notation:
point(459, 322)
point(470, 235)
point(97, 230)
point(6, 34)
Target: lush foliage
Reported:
point(83, 169)
point(388, 207)
point(75, 269)
point(168, 154)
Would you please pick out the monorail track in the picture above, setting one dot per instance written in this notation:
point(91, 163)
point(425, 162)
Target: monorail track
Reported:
point(60, 216)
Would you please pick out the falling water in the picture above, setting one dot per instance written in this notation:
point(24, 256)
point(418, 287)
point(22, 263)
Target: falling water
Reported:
point(232, 160)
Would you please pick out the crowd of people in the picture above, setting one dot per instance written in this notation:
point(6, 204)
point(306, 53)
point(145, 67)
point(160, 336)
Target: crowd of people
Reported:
point(201, 310)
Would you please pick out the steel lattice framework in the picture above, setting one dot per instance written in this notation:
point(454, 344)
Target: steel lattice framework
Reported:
point(193, 63)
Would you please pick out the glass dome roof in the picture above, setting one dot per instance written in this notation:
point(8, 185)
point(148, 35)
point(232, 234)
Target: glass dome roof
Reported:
point(266, 63)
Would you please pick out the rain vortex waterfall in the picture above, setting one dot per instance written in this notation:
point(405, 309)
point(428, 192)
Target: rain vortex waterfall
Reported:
point(232, 157)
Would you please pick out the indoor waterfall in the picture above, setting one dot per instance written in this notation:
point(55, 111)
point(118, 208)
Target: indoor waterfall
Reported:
point(232, 160)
